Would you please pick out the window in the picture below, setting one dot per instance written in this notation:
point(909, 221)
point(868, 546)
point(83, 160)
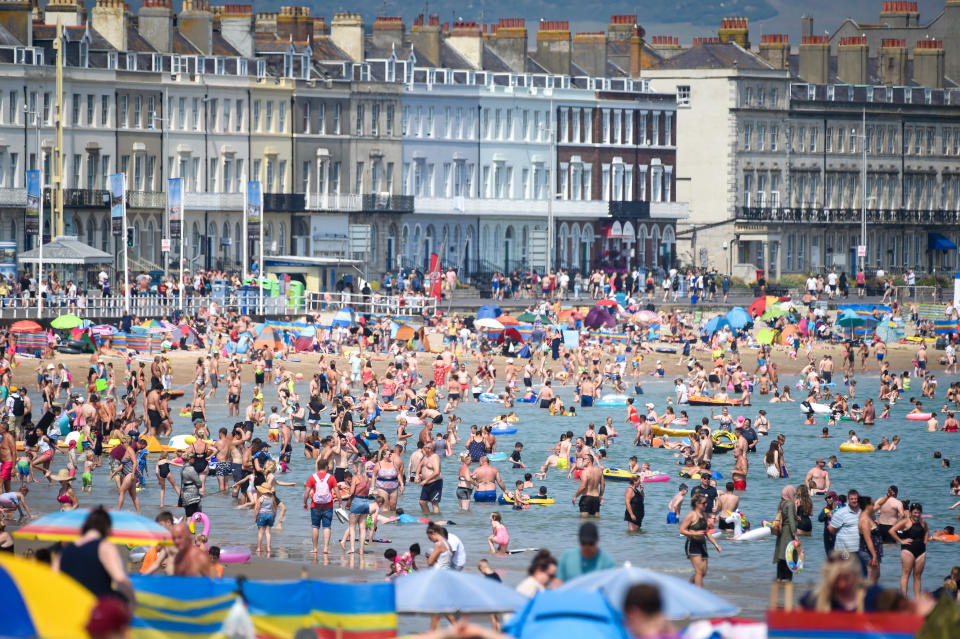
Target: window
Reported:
point(774, 138)
point(852, 147)
point(761, 137)
point(151, 165)
point(76, 109)
point(747, 189)
point(606, 126)
point(814, 135)
point(238, 121)
point(305, 126)
point(747, 131)
point(138, 172)
point(256, 115)
point(683, 95)
point(91, 118)
point(321, 118)
point(305, 173)
point(182, 112)
point(226, 115)
point(195, 174)
point(256, 170)
point(828, 140)
point(359, 178)
point(282, 176)
point(336, 118)
point(656, 129)
point(212, 176)
point(668, 129)
point(760, 96)
point(359, 129)
point(618, 126)
point(228, 174)
point(122, 115)
point(138, 112)
point(196, 114)
point(268, 119)
point(271, 176)
point(375, 119)
point(389, 123)
point(389, 188)
point(281, 117)
point(643, 129)
point(563, 126)
point(14, 110)
point(76, 170)
point(747, 96)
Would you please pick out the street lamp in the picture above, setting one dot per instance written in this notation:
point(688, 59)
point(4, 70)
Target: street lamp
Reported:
point(36, 124)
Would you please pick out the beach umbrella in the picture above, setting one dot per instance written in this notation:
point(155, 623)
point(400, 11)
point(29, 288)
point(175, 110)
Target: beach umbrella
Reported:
point(738, 317)
point(715, 325)
point(608, 302)
point(567, 313)
point(849, 319)
point(152, 324)
point(773, 313)
point(39, 602)
point(598, 317)
point(405, 333)
point(438, 591)
point(488, 323)
point(646, 317)
point(25, 326)
point(507, 320)
point(759, 305)
point(126, 528)
point(67, 321)
point(567, 613)
point(344, 317)
point(766, 336)
point(510, 333)
point(681, 599)
point(527, 317)
point(489, 310)
point(786, 335)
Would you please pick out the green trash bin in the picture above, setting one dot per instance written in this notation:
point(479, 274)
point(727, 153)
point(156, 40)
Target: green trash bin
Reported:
point(295, 291)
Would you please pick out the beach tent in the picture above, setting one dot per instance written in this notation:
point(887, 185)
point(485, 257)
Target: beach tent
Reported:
point(268, 338)
point(715, 325)
point(405, 333)
point(510, 333)
point(489, 311)
point(304, 339)
point(567, 613)
point(766, 336)
point(344, 317)
point(739, 318)
point(598, 317)
point(787, 334)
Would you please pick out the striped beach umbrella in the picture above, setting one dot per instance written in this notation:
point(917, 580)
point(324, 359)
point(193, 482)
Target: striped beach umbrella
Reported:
point(126, 528)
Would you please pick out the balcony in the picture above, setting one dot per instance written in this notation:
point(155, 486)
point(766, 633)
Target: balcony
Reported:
point(86, 198)
point(213, 201)
point(385, 203)
point(587, 209)
point(283, 202)
point(146, 199)
point(341, 202)
point(16, 198)
point(817, 215)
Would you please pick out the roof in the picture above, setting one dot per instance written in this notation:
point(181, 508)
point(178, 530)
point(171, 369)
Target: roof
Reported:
point(220, 46)
point(715, 56)
point(7, 38)
point(493, 62)
point(66, 249)
point(183, 46)
point(136, 43)
point(450, 59)
point(325, 50)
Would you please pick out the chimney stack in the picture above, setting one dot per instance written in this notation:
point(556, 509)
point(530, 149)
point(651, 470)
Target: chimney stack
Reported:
point(775, 49)
point(852, 59)
point(806, 26)
point(236, 27)
point(68, 12)
point(899, 13)
point(388, 32)
point(701, 40)
point(265, 22)
point(815, 59)
point(735, 30)
point(17, 18)
point(426, 37)
point(621, 26)
point(666, 46)
point(893, 61)
point(346, 31)
point(928, 64)
point(553, 46)
point(296, 22)
point(466, 38)
point(590, 52)
point(109, 18)
point(508, 38)
point(155, 24)
point(196, 24)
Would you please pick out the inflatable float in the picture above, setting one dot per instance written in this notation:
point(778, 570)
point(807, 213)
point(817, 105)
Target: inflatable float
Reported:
point(672, 432)
point(488, 398)
point(754, 533)
point(507, 500)
point(234, 555)
point(919, 417)
point(528, 400)
point(723, 441)
point(847, 447)
point(611, 400)
point(496, 457)
point(703, 400)
point(817, 409)
point(412, 420)
point(503, 429)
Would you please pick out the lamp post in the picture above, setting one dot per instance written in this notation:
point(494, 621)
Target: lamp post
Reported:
point(36, 124)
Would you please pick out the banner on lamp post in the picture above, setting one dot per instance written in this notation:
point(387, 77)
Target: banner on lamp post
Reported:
point(33, 203)
point(175, 206)
point(254, 208)
point(115, 180)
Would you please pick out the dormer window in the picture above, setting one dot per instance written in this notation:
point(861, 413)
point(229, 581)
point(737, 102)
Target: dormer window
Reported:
point(242, 67)
point(84, 53)
point(391, 71)
point(288, 64)
point(131, 62)
point(156, 62)
point(408, 71)
point(221, 66)
point(261, 68)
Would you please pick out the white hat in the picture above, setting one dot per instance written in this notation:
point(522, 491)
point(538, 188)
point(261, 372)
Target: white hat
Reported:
point(510, 360)
point(649, 404)
point(50, 367)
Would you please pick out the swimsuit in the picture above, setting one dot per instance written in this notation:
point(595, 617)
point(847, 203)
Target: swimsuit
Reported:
point(695, 546)
point(590, 504)
point(485, 496)
point(387, 480)
point(918, 540)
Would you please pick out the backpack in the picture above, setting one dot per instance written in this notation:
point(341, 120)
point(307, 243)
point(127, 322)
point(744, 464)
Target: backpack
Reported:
point(18, 406)
point(321, 492)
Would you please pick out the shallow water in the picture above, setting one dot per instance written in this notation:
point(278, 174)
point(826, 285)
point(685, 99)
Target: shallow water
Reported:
point(741, 573)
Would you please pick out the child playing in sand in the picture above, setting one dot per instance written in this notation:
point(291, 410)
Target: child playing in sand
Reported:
point(500, 539)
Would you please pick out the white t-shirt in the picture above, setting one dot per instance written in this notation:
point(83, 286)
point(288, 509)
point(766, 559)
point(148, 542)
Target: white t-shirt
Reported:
point(529, 586)
point(459, 552)
point(832, 279)
point(811, 284)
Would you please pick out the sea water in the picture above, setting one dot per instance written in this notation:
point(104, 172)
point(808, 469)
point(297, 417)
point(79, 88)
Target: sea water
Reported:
point(741, 573)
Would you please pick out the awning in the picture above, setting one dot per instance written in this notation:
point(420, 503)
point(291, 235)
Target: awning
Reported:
point(937, 242)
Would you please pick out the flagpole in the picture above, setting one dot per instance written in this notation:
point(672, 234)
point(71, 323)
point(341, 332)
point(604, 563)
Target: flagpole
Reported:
point(40, 258)
point(260, 261)
point(126, 259)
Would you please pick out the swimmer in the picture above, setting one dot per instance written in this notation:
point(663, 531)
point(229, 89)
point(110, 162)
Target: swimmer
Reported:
point(676, 505)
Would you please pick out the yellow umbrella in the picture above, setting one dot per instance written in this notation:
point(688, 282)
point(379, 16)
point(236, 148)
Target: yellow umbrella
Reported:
point(39, 602)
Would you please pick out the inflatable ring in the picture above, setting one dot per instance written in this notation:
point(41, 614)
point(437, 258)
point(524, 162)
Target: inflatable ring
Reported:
point(942, 536)
point(919, 417)
point(617, 474)
point(503, 430)
point(496, 456)
point(507, 500)
point(723, 441)
point(702, 400)
point(795, 556)
point(488, 398)
point(69, 350)
point(234, 555)
point(656, 477)
point(612, 400)
point(847, 447)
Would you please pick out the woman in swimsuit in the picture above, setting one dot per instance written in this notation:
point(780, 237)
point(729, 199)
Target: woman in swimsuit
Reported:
point(67, 498)
point(198, 409)
point(476, 446)
point(911, 533)
point(871, 543)
point(127, 476)
point(465, 483)
point(694, 528)
point(388, 479)
point(163, 476)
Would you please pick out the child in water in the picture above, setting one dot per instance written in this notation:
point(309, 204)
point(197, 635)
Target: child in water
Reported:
point(673, 516)
point(500, 538)
point(87, 477)
point(520, 499)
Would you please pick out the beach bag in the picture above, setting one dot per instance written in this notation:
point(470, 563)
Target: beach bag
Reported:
point(321, 492)
point(776, 526)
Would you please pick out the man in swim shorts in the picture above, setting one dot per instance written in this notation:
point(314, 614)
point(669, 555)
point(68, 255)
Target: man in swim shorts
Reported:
point(431, 479)
point(590, 490)
point(487, 478)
